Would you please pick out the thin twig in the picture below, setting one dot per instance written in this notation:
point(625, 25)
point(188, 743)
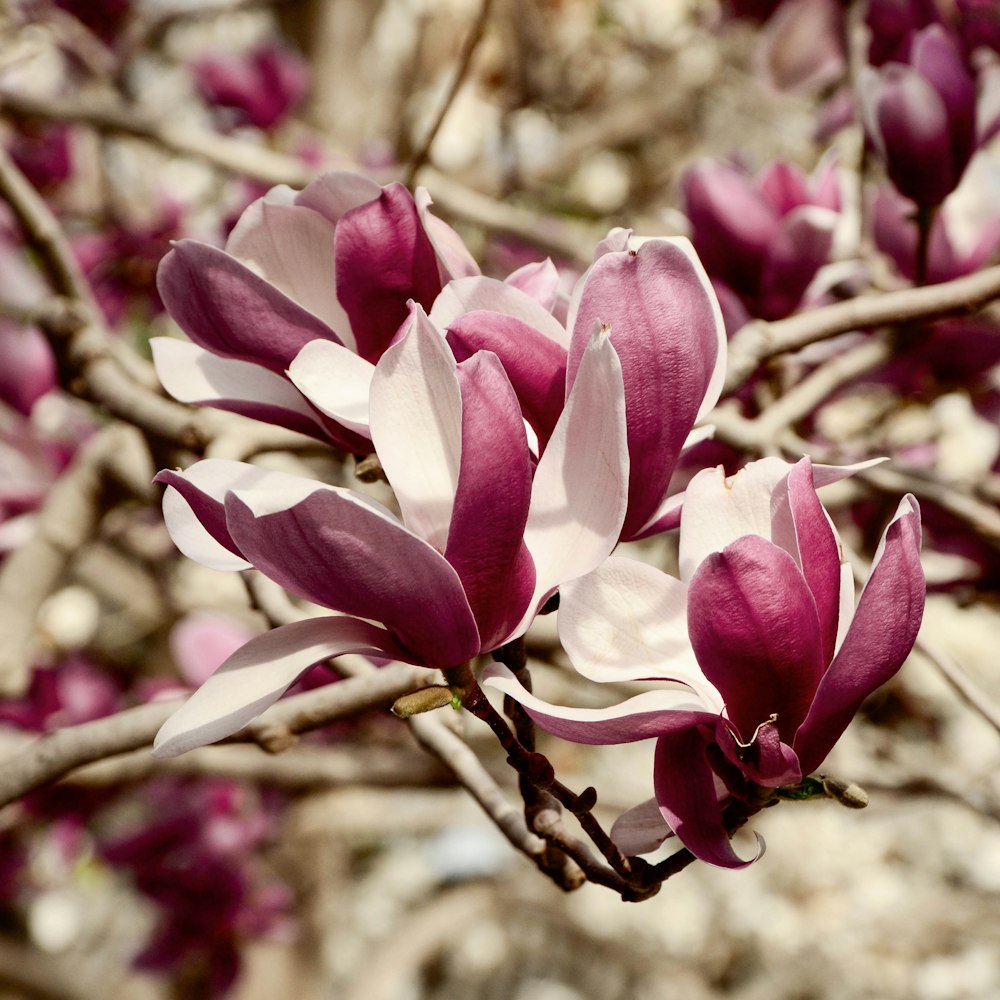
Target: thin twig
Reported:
point(461, 71)
point(759, 341)
point(54, 756)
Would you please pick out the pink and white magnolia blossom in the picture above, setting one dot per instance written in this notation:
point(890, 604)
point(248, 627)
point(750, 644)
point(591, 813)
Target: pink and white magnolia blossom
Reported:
point(656, 300)
point(760, 634)
point(486, 535)
point(337, 262)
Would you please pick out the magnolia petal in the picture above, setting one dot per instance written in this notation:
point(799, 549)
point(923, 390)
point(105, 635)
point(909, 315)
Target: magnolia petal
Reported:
point(538, 280)
point(292, 247)
point(685, 790)
point(535, 365)
point(335, 193)
point(719, 509)
point(884, 629)
point(454, 259)
point(640, 718)
point(813, 543)
point(336, 381)
point(416, 426)
point(384, 259)
point(627, 621)
point(341, 550)
point(193, 375)
point(229, 310)
point(478, 293)
point(259, 673)
point(580, 490)
point(194, 512)
point(667, 328)
point(486, 537)
point(753, 626)
point(641, 829)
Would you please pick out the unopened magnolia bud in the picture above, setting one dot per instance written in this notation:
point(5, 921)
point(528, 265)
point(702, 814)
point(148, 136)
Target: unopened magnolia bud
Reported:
point(847, 793)
point(424, 700)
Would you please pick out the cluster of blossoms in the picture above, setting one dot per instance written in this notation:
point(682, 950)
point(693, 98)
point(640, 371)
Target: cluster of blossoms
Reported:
point(524, 436)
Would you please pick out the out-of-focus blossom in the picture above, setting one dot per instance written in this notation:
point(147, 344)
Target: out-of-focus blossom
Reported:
point(203, 640)
point(193, 856)
point(43, 153)
point(762, 240)
point(27, 367)
point(105, 18)
point(895, 231)
point(892, 25)
point(921, 116)
point(801, 48)
point(336, 262)
point(485, 538)
point(261, 87)
point(769, 657)
point(979, 24)
point(120, 262)
point(73, 692)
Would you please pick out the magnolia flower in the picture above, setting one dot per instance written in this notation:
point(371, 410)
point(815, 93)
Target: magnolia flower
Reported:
point(770, 657)
point(657, 302)
point(764, 239)
point(485, 537)
point(921, 116)
point(336, 262)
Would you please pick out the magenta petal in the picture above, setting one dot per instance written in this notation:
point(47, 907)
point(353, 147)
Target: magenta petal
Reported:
point(535, 364)
point(800, 248)
point(259, 673)
point(337, 549)
point(486, 538)
point(806, 534)
point(384, 259)
point(663, 326)
point(227, 309)
point(882, 633)
point(753, 625)
point(685, 790)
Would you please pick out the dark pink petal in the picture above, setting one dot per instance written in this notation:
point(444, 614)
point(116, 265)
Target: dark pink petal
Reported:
point(207, 511)
point(535, 365)
point(337, 549)
point(259, 673)
point(800, 525)
point(767, 761)
point(384, 259)
point(685, 790)
point(486, 539)
point(938, 58)
point(227, 309)
point(753, 625)
point(665, 326)
point(914, 133)
point(880, 638)
point(784, 185)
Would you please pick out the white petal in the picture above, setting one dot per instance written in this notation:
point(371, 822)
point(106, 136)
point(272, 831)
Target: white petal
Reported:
point(193, 375)
point(336, 381)
point(627, 621)
point(580, 491)
point(641, 829)
point(416, 426)
point(258, 674)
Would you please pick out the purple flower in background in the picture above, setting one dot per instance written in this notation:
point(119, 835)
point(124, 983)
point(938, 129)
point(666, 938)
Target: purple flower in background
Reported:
point(486, 535)
point(336, 262)
point(895, 231)
point(921, 116)
point(762, 240)
point(760, 634)
point(261, 88)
